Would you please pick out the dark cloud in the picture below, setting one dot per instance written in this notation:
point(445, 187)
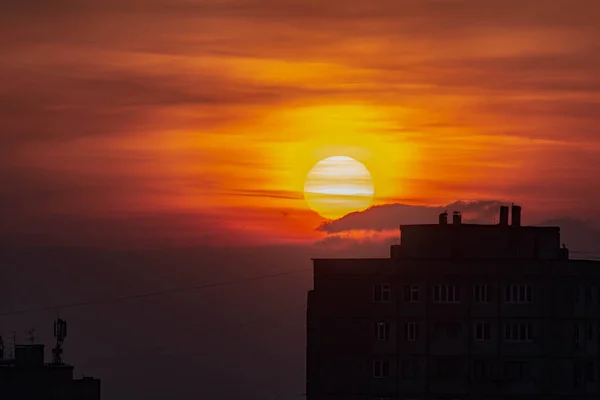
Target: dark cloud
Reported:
point(273, 194)
point(391, 216)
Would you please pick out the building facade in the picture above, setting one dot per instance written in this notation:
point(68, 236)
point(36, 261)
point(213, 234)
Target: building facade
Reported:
point(458, 311)
point(27, 377)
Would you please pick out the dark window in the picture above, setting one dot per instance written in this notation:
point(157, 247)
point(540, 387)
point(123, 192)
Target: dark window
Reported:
point(517, 332)
point(517, 370)
point(409, 369)
point(453, 330)
point(412, 331)
point(377, 293)
point(381, 331)
point(447, 368)
point(577, 294)
point(381, 369)
point(590, 376)
point(590, 331)
point(518, 294)
point(480, 369)
point(483, 331)
point(588, 295)
point(480, 294)
point(577, 373)
point(381, 293)
point(446, 294)
point(411, 293)
point(447, 330)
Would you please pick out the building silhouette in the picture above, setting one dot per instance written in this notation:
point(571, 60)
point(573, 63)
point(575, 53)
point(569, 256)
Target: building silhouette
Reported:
point(27, 377)
point(458, 311)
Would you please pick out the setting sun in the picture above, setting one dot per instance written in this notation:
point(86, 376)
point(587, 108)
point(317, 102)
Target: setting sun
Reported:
point(338, 185)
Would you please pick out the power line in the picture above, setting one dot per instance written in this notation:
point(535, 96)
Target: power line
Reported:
point(151, 294)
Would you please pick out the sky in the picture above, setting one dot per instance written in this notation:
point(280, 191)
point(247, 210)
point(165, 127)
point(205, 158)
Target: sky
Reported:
point(205, 117)
point(147, 144)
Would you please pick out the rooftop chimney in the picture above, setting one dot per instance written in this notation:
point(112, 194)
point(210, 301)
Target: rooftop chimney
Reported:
point(516, 215)
point(444, 218)
point(456, 218)
point(504, 215)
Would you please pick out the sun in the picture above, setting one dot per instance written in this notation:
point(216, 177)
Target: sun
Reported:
point(336, 186)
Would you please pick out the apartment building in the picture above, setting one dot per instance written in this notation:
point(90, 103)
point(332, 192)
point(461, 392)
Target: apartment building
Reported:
point(458, 311)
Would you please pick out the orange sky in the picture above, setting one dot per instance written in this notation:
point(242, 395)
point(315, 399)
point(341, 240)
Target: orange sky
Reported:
point(213, 112)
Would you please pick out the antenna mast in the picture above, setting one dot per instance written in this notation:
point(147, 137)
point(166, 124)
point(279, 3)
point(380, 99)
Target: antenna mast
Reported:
point(31, 335)
point(60, 333)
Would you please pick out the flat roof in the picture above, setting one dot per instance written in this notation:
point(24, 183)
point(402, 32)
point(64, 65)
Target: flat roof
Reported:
point(488, 226)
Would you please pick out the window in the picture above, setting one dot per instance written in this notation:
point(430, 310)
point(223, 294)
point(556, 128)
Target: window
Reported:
point(381, 331)
point(447, 368)
point(480, 368)
point(576, 334)
point(412, 331)
point(480, 294)
point(588, 295)
point(411, 293)
point(577, 372)
point(381, 369)
point(517, 332)
point(584, 295)
point(447, 330)
point(583, 371)
point(410, 369)
point(446, 294)
point(483, 331)
point(382, 294)
point(518, 294)
point(517, 370)
point(590, 376)
point(589, 335)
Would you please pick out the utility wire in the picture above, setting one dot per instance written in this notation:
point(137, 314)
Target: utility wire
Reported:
point(151, 294)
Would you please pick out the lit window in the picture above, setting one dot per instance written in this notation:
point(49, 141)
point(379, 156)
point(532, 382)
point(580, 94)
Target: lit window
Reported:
point(381, 293)
point(518, 294)
point(446, 294)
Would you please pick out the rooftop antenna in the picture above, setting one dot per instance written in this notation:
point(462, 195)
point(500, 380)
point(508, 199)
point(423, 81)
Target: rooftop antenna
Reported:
point(31, 333)
point(14, 347)
point(60, 333)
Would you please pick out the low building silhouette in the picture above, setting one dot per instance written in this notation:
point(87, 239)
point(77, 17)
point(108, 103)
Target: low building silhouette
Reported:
point(458, 311)
point(27, 377)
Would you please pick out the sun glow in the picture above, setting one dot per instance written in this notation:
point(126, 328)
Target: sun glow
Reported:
point(338, 185)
